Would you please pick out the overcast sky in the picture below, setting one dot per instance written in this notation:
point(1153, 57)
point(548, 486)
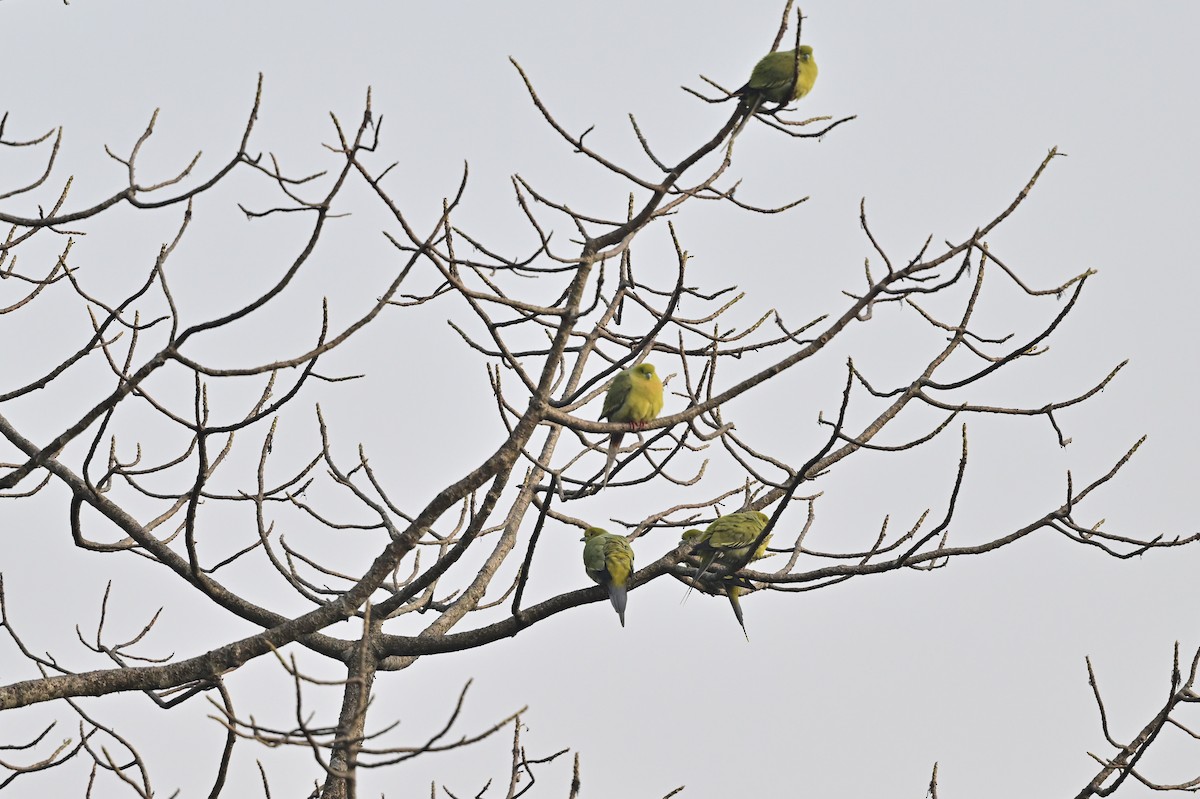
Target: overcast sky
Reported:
point(847, 692)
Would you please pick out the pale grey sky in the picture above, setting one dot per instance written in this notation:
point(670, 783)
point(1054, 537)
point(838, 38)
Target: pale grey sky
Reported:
point(846, 692)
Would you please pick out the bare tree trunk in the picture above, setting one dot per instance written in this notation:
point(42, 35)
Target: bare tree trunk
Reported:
point(343, 761)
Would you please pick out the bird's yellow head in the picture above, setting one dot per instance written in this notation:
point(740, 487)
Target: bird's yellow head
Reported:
point(592, 532)
point(644, 370)
point(805, 52)
point(692, 537)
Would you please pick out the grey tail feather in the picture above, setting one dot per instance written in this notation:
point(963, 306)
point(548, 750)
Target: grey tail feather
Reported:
point(614, 443)
point(751, 105)
point(617, 595)
point(703, 570)
point(737, 611)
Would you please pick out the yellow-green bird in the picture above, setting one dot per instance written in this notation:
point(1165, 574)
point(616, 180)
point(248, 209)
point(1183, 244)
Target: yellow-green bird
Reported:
point(636, 397)
point(608, 560)
point(779, 77)
point(728, 539)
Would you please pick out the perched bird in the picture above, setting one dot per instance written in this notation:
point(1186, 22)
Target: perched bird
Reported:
point(608, 560)
point(636, 397)
point(728, 540)
point(779, 77)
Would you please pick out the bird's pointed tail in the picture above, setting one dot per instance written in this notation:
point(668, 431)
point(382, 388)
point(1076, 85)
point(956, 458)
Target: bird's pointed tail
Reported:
point(708, 561)
point(750, 104)
point(733, 592)
point(617, 595)
point(614, 444)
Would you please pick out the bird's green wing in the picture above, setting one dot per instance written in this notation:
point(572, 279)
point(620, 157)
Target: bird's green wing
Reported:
point(772, 75)
point(614, 400)
point(593, 558)
point(736, 530)
point(729, 538)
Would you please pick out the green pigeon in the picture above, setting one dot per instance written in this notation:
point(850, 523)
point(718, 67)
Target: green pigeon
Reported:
point(608, 560)
point(728, 540)
point(635, 397)
point(779, 77)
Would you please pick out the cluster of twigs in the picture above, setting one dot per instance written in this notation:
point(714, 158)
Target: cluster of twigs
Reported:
point(470, 547)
